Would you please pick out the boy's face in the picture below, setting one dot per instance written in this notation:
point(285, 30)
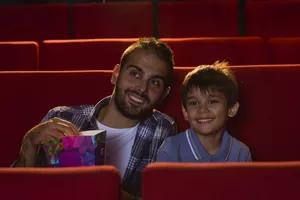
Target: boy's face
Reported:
point(208, 112)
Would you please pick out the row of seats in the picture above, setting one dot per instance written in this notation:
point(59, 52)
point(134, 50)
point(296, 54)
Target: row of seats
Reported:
point(135, 19)
point(267, 120)
point(99, 54)
point(259, 181)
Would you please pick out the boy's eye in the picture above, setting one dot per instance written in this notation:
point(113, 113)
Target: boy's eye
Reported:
point(193, 103)
point(213, 101)
point(135, 74)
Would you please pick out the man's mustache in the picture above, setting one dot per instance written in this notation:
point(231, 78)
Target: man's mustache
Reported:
point(141, 95)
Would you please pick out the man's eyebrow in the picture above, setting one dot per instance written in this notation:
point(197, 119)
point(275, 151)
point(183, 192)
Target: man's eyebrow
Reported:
point(159, 77)
point(136, 67)
point(140, 70)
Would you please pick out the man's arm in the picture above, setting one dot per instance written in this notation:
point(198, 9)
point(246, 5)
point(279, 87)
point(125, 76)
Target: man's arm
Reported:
point(46, 131)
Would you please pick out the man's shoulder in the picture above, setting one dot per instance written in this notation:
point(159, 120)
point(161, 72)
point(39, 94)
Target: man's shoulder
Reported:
point(69, 112)
point(79, 109)
point(160, 116)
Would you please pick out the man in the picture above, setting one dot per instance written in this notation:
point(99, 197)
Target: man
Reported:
point(135, 130)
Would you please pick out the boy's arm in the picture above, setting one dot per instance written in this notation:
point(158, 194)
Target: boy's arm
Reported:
point(249, 157)
point(166, 152)
point(246, 155)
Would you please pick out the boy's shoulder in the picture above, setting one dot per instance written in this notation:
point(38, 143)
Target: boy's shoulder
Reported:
point(239, 144)
point(175, 140)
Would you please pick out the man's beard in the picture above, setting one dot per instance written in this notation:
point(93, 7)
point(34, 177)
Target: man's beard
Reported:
point(130, 111)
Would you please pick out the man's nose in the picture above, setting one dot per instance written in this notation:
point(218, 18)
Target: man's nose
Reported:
point(142, 86)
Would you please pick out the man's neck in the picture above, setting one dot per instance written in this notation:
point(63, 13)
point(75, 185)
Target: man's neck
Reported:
point(111, 117)
point(211, 143)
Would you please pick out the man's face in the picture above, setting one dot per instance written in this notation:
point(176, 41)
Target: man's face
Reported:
point(140, 84)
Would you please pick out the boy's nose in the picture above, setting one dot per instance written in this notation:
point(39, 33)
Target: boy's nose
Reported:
point(203, 109)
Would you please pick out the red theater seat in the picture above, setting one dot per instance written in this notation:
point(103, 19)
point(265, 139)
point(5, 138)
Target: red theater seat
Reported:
point(34, 22)
point(273, 19)
point(284, 50)
point(235, 50)
point(18, 56)
point(198, 19)
point(234, 181)
point(89, 54)
point(27, 97)
point(112, 20)
point(68, 183)
point(268, 119)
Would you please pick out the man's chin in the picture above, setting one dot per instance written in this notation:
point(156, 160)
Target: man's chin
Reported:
point(137, 115)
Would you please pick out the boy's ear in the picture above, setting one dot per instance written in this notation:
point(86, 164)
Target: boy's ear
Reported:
point(185, 114)
point(234, 110)
point(115, 74)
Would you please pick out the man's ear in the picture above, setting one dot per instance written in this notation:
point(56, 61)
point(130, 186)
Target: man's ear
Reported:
point(115, 74)
point(185, 114)
point(234, 110)
point(166, 92)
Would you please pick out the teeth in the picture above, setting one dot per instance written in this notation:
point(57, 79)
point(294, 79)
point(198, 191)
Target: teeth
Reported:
point(204, 120)
point(136, 99)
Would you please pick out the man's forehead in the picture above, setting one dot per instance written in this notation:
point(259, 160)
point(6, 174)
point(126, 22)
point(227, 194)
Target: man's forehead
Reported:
point(148, 63)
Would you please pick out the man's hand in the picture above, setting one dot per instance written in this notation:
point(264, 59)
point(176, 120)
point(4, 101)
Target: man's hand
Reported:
point(126, 196)
point(49, 130)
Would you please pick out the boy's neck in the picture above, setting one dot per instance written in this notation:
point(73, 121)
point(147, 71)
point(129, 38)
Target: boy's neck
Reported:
point(111, 117)
point(211, 143)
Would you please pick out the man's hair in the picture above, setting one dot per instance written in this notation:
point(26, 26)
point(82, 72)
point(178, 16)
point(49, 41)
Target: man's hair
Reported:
point(159, 48)
point(211, 78)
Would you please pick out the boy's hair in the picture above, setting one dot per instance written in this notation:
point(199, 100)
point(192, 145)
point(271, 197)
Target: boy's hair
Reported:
point(210, 78)
point(159, 48)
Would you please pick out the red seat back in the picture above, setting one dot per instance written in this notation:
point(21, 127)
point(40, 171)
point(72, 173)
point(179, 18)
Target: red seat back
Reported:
point(34, 22)
point(284, 50)
point(18, 56)
point(216, 181)
point(270, 19)
point(198, 19)
point(112, 20)
point(67, 183)
point(89, 54)
point(235, 50)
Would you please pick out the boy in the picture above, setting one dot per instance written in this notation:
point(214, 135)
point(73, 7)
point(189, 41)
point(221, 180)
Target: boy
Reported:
point(209, 98)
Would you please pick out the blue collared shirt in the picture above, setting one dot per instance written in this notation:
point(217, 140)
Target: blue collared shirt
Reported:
point(186, 147)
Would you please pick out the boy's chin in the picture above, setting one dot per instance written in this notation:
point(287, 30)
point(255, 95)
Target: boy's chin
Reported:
point(205, 132)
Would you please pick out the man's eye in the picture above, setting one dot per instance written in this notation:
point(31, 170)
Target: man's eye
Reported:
point(155, 83)
point(135, 74)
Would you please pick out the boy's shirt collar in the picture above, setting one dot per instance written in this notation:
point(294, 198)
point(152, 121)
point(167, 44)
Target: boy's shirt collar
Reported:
point(199, 151)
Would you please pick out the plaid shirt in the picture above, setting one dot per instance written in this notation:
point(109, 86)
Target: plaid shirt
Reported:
point(150, 134)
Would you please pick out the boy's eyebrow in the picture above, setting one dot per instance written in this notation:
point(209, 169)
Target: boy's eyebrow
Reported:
point(215, 94)
point(190, 97)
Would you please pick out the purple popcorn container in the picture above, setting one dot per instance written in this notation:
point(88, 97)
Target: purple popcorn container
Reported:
point(88, 149)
